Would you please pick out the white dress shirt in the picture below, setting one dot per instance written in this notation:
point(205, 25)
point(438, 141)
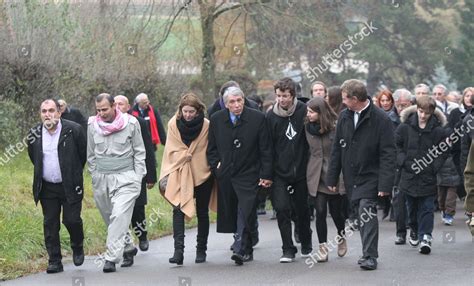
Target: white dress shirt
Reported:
point(51, 168)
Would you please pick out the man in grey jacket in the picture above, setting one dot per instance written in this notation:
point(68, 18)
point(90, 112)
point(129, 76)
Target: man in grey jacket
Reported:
point(116, 158)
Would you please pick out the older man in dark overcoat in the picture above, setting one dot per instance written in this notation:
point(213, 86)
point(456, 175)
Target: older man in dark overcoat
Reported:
point(240, 157)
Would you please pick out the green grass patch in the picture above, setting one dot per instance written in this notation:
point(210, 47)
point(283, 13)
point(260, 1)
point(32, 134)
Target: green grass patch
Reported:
point(22, 248)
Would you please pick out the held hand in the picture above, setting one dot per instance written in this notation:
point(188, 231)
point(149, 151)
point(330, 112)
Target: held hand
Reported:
point(332, 189)
point(265, 183)
point(150, 185)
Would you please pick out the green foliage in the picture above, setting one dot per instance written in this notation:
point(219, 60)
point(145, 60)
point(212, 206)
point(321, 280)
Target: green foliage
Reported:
point(402, 51)
point(441, 76)
point(246, 81)
point(21, 222)
point(9, 129)
point(459, 62)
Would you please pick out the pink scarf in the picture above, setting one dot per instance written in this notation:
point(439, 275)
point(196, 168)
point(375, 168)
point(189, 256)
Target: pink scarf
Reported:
point(104, 128)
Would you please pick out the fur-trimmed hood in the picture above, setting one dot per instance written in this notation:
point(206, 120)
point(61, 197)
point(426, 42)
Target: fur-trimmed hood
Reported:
point(412, 110)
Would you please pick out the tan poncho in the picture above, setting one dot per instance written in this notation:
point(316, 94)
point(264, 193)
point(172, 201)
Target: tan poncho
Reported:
point(184, 175)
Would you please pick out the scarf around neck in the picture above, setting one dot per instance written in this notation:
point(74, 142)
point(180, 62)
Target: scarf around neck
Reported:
point(314, 128)
point(155, 137)
point(278, 110)
point(105, 128)
point(190, 130)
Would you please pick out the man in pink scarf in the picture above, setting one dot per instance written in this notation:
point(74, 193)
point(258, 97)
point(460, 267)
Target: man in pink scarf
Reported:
point(116, 158)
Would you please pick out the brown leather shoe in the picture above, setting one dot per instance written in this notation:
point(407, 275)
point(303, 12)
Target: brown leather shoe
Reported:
point(342, 247)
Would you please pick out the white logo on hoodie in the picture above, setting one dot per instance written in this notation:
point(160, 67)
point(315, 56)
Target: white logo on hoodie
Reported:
point(290, 132)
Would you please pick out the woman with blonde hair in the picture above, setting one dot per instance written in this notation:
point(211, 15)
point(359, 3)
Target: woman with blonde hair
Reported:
point(185, 174)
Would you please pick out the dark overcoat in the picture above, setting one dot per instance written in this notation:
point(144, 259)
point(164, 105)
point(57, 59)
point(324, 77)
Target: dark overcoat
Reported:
point(365, 153)
point(238, 156)
point(150, 162)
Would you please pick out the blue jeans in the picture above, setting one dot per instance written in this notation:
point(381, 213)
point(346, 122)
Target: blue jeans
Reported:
point(423, 209)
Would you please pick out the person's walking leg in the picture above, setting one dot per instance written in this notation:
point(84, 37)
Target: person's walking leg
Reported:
point(73, 222)
point(281, 203)
point(300, 197)
point(203, 195)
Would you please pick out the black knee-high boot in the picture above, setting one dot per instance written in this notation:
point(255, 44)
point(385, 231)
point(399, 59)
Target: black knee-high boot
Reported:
point(178, 235)
point(202, 235)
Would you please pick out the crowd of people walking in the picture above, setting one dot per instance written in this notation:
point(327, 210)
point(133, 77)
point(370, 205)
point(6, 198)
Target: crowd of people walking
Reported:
point(340, 151)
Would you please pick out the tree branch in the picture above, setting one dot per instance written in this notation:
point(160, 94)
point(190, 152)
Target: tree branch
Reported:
point(170, 26)
point(218, 12)
point(228, 31)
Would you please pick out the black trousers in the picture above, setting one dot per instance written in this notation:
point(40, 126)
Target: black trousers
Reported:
point(401, 213)
point(202, 193)
point(52, 199)
point(460, 190)
point(335, 202)
point(139, 222)
point(281, 201)
point(369, 226)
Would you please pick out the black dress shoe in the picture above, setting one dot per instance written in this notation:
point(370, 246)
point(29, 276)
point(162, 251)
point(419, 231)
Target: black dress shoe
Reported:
point(238, 259)
point(143, 245)
point(400, 240)
point(54, 268)
point(369, 264)
point(109, 267)
point(200, 256)
point(248, 257)
point(128, 257)
point(78, 256)
point(361, 260)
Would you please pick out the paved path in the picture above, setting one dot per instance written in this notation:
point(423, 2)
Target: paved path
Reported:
point(451, 263)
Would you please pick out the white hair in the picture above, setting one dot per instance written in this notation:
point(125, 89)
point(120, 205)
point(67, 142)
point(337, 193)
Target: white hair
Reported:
point(442, 86)
point(232, 90)
point(424, 86)
point(402, 93)
point(140, 97)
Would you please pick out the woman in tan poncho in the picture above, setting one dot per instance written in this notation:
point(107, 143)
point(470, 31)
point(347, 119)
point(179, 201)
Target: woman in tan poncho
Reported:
point(185, 174)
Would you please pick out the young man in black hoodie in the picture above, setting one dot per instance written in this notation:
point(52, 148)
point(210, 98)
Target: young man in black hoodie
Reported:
point(290, 156)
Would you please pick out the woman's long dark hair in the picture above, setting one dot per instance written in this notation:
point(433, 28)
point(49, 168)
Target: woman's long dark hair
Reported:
point(327, 116)
point(335, 99)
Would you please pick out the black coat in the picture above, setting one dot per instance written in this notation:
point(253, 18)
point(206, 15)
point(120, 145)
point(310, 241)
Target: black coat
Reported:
point(75, 115)
point(468, 126)
point(290, 156)
point(216, 106)
point(366, 154)
point(245, 156)
point(159, 122)
point(418, 167)
point(72, 150)
point(455, 120)
point(150, 162)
